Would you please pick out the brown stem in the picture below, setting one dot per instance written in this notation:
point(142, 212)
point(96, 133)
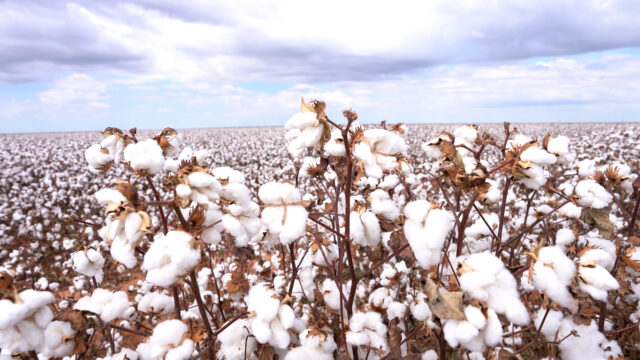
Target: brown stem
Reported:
point(196, 294)
point(623, 329)
point(328, 227)
point(601, 318)
point(522, 233)
point(463, 223)
point(387, 258)
point(503, 207)
point(176, 302)
point(228, 323)
point(294, 270)
point(132, 331)
point(165, 228)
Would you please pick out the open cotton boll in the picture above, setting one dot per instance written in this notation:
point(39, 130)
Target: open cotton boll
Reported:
point(59, 339)
point(303, 131)
point(396, 310)
point(553, 273)
point(22, 324)
point(586, 168)
point(484, 277)
point(170, 257)
point(212, 234)
point(109, 195)
point(538, 156)
point(307, 163)
point(89, 262)
point(518, 140)
point(570, 210)
point(565, 237)
point(595, 279)
point(235, 339)
point(270, 319)
point(552, 322)
point(168, 341)
point(331, 294)
point(476, 332)
point(534, 177)
point(365, 228)
point(156, 303)
point(479, 229)
point(335, 145)
point(104, 303)
point(228, 175)
point(313, 345)
point(283, 213)
point(559, 146)
point(366, 331)
point(426, 229)
point(145, 156)
point(591, 194)
point(590, 343)
point(97, 159)
point(385, 142)
point(381, 204)
point(362, 152)
point(466, 134)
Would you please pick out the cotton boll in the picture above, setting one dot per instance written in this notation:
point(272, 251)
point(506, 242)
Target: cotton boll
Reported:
point(426, 230)
point(365, 228)
point(270, 320)
point(594, 278)
point(335, 145)
point(97, 159)
point(283, 213)
point(586, 168)
point(552, 273)
point(106, 304)
point(570, 210)
point(156, 303)
point(484, 277)
point(303, 131)
point(331, 294)
point(23, 324)
point(381, 204)
point(145, 156)
point(564, 237)
point(89, 263)
point(538, 156)
point(367, 329)
point(167, 341)
point(591, 194)
point(170, 257)
point(59, 339)
point(234, 339)
point(228, 175)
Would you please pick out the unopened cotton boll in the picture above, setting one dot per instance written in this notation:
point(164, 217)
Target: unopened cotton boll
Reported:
point(170, 257)
point(145, 156)
point(591, 194)
point(426, 229)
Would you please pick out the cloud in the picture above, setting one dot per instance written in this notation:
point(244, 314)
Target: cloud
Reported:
point(298, 41)
point(76, 90)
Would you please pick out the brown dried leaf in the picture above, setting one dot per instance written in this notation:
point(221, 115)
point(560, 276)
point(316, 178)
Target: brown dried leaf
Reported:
point(444, 305)
point(598, 218)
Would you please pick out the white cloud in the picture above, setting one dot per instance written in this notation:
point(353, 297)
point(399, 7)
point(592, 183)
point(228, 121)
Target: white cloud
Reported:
point(77, 90)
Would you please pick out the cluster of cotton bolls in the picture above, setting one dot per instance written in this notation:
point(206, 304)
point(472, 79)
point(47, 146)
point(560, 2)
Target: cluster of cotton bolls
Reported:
point(386, 213)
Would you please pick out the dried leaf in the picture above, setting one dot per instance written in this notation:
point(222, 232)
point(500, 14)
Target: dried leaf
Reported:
point(444, 305)
point(598, 218)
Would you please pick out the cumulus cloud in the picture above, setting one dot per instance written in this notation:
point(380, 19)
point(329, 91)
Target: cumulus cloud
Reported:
point(297, 40)
point(76, 89)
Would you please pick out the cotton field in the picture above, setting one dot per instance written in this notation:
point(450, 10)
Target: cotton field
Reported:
point(322, 239)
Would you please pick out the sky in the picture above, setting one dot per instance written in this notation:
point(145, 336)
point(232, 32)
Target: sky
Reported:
point(86, 65)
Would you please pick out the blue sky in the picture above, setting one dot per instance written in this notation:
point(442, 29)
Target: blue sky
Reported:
point(85, 65)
